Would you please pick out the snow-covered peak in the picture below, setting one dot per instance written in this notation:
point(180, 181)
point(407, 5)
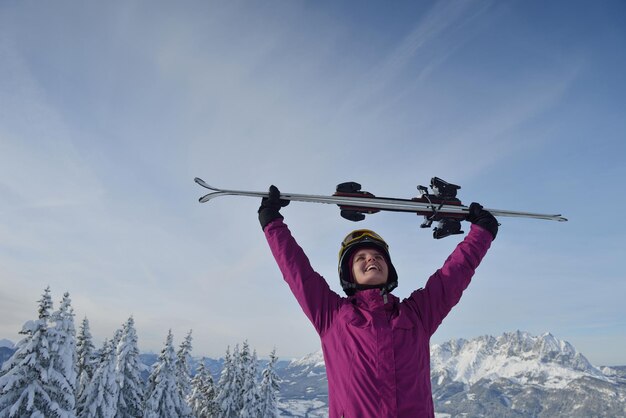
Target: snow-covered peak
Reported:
point(542, 361)
point(518, 356)
point(315, 359)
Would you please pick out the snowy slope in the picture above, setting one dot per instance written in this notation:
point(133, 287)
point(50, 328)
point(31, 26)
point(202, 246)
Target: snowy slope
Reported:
point(312, 360)
point(304, 388)
point(527, 360)
point(520, 375)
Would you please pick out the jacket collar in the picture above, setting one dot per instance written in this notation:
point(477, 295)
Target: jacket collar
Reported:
point(372, 299)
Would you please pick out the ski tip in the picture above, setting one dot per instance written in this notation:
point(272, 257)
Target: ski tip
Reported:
point(205, 198)
point(205, 184)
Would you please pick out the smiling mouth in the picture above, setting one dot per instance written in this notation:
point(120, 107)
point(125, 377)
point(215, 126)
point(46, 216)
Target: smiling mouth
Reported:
point(371, 268)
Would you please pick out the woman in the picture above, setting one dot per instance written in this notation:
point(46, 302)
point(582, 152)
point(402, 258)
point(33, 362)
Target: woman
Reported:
point(376, 347)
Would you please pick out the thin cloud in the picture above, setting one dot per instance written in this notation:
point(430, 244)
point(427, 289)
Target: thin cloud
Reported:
point(425, 48)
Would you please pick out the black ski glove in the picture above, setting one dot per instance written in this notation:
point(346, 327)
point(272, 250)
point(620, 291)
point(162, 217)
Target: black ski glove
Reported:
point(270, 206)
point(481, 217)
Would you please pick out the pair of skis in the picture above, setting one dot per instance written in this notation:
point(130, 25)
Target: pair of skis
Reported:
point(439, 205)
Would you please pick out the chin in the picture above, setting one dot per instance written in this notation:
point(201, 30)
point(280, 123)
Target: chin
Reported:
point(374, 282)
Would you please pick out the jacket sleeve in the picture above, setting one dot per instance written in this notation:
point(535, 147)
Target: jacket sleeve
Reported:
point(443, 289)
point(315, 297)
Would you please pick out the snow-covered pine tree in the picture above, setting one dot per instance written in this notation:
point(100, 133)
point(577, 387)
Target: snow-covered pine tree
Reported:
point(227, 387)
point(117, 337)
point(85, 359)
point(163, 397)
point(99, 399)
point(128, 369)
point(62, 371)
point(45, 304)
point(24, 377)
point(212, 409)
point(241, 358)
point(270, 386)
point(202, 399)
point(250, 389)
point(196, 399)
point(183, 372)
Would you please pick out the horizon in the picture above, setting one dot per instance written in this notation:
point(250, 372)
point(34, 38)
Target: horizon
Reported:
point(318, 352)
point(110, 110)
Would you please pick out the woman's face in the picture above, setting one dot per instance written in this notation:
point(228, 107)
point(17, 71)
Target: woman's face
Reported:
point(369, 267)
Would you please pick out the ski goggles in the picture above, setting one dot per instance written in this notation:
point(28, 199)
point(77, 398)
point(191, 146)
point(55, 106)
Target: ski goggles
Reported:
point(361, 235)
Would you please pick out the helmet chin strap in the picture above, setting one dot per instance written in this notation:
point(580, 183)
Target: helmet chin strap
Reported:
point(385, 288)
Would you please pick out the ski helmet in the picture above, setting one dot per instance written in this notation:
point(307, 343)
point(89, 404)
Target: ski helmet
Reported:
point(362, 238)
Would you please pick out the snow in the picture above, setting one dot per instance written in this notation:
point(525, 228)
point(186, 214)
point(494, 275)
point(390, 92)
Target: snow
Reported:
point(315, 359)
point(302, 408)
point(544, 361)
point(30, 327)
point(609, 371)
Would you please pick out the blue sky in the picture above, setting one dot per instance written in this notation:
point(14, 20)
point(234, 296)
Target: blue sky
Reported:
point(110, 109)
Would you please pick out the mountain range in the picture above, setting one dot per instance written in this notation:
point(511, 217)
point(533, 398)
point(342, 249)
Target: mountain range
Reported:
point(513, 375)
point(6, 343)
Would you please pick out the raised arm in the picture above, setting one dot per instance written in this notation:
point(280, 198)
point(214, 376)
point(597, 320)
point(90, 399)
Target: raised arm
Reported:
point(315, 297)
point(443, 289)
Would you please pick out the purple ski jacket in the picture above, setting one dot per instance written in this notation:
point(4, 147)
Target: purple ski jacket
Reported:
point(377, 354)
